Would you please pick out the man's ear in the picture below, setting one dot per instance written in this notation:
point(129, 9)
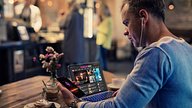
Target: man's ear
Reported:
point(143, 15)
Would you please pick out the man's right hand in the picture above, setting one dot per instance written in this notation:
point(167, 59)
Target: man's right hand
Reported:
point(115, 93)
point(67, 95)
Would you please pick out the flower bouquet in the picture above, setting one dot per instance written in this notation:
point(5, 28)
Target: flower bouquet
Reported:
point(50, 61)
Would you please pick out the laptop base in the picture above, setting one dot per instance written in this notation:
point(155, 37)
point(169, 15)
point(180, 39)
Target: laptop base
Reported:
point(99, 96)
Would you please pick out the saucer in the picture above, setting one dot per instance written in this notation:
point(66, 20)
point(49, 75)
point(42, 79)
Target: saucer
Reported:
point(31, 105)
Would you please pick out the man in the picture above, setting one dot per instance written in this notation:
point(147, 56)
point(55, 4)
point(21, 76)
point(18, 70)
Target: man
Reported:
point(30, 14)
point(74, 43)
point(162, 76)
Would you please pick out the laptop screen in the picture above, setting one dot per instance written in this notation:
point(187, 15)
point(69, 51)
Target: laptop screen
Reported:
point(89, 77)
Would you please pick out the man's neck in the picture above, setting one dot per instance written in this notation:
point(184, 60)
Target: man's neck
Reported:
point(157, 31)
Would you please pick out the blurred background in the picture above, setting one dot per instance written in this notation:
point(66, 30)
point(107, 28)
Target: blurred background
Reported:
point(20, 41)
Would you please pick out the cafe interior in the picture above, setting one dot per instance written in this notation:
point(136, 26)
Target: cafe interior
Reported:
point(21, 44)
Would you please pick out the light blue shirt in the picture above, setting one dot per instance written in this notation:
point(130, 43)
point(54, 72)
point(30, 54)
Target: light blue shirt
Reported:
point(161, 78)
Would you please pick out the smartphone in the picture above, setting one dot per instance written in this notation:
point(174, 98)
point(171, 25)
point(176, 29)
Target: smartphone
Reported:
point(71, 87)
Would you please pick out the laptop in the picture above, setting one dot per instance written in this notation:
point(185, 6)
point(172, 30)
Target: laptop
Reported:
point(91, 81)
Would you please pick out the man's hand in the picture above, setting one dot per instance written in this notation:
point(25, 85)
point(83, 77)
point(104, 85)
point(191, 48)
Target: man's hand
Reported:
point(67, 95)
point(115, 93)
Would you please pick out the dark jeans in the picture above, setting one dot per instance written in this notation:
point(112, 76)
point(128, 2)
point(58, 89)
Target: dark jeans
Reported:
point(101, 57)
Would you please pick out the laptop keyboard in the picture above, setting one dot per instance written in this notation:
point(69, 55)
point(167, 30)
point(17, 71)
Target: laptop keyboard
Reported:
point(98, 96)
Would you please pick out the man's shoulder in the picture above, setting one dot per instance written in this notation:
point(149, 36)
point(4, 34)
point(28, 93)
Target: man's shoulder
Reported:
point(166, 46)
point(167, 43)
point(155, 49)
point(167, 40)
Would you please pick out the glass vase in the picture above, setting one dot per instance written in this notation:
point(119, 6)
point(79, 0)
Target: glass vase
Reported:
point(51, 91)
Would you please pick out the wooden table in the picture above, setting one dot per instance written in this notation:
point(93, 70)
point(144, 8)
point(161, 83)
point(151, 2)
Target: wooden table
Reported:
point(20, 93)
point(108, 76)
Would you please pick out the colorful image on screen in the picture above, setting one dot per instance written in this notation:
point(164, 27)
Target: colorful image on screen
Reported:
point(81, 77)
point(90, 75)
point(97, 74)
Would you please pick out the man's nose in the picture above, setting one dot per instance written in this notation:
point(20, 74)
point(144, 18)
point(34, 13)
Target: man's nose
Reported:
point(126, 32)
